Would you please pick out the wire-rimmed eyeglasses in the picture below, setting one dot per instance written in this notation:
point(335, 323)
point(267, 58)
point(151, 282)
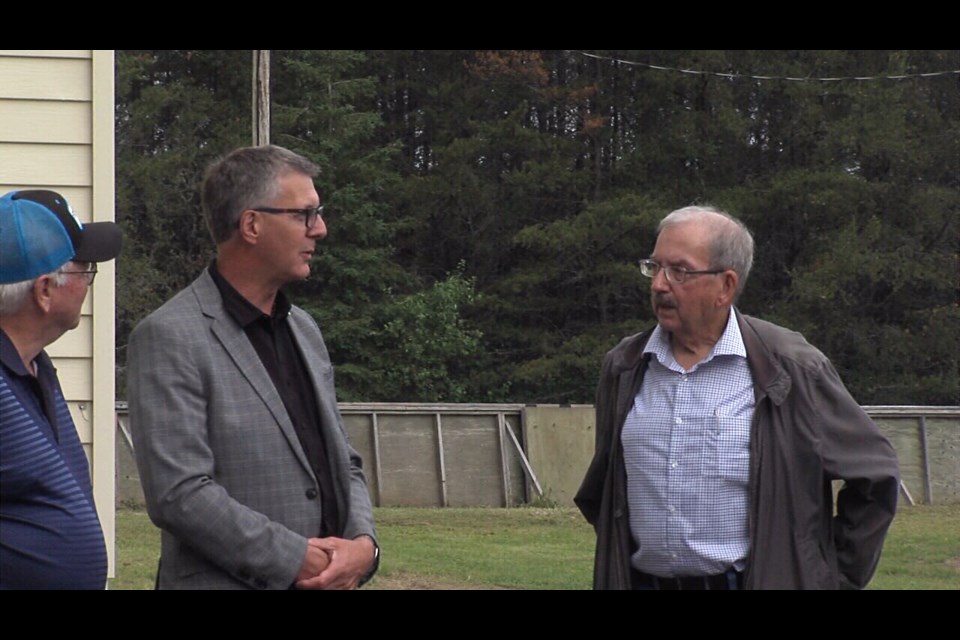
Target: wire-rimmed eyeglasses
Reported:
point(674, 275)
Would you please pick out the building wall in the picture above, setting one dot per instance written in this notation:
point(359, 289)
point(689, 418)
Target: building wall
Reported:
point(56, 132)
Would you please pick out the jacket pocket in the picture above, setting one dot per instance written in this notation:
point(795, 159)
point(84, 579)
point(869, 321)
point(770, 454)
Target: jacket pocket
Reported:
point(817, 571)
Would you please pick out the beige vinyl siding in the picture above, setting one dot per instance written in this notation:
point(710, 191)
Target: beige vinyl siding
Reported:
point(28, 76)
point(56, 132)
point(51, 166)
point(45, 121)
point(74, 374)
point(77, 343)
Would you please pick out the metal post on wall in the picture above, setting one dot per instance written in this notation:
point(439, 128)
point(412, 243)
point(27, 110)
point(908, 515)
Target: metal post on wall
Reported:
point(376, 458)
point(504, 466)
point(261, 97)
point(523, 458)
point(925, 453)
point(443, 464)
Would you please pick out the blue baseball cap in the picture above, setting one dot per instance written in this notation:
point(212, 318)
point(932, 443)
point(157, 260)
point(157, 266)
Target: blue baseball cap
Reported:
point(39, 234)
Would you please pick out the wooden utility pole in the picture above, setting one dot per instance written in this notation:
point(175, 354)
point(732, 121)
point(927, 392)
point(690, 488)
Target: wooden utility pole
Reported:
point(261, 97)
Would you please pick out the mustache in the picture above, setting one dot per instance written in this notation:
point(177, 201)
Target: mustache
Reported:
point(664, 300)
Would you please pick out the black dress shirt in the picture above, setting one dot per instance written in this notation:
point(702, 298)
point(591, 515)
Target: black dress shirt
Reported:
point(273, 341)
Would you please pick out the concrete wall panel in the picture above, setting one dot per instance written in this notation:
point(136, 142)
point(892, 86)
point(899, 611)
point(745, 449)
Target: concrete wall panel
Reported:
point(409, 467)
point(560, 442)
point(472, 460)
point(943, 448)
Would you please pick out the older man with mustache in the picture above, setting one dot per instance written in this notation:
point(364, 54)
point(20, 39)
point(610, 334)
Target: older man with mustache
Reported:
point(719, 436)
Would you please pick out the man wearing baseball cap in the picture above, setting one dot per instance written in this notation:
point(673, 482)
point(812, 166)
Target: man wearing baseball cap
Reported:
point(50, 535)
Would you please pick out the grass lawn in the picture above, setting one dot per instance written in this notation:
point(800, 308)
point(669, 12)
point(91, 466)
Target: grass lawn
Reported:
point(922, 550)
point(523, 548)
point(138, 547)
point(530, 548)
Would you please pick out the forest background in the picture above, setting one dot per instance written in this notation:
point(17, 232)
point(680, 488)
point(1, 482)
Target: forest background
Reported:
point(486, 209)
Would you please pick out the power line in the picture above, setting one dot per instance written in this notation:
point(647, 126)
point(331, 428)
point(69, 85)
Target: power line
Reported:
point(759, 77)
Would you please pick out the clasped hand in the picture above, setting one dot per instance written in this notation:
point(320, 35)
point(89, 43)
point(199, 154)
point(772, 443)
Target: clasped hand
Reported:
point(335, 563)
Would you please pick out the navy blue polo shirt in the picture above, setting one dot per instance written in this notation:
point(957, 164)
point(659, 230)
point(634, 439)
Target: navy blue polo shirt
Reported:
point(50, 535)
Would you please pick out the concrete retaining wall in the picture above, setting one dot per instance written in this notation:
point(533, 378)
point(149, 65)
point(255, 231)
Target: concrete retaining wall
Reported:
point(467, 455)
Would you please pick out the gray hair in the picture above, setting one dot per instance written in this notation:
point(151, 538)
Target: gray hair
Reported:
point(14, 294)
point(731, 246)
point(243, 179)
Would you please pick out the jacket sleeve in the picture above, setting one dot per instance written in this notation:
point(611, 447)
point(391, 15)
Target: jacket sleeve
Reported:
point(856, 452)
point(359, 521)
point(360, 511)
point(590, 494)
point(168, 394)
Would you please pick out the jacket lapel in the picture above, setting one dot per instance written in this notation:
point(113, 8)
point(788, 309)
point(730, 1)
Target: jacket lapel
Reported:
point(306, 333)
point(631, 369)
point(237, 347)
point(769, 378)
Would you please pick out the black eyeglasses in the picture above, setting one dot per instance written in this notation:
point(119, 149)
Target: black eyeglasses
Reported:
point(310, 215)
point(674, 275)
point(90, 272)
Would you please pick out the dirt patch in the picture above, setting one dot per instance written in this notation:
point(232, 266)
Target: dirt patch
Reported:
point(954, 563)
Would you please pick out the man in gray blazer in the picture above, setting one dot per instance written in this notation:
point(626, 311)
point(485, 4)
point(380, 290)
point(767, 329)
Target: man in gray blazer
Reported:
point(242, 452)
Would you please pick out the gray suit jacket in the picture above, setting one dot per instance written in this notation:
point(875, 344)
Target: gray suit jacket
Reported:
point(222, 470)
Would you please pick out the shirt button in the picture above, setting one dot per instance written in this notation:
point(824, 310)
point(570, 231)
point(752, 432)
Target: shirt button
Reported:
point(673, 465)
point(672, 509)
point(678, 420)
point(311, 494)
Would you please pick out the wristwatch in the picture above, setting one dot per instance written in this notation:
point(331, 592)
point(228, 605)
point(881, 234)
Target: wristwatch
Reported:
point(376, 560)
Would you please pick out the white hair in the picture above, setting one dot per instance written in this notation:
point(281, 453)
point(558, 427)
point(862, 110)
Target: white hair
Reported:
point(731, 244)
point(14, 294)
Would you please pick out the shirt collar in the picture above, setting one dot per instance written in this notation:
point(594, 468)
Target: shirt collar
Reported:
point(241, 309)
point(731, 341)
point(10, 357)
point(659, 345)
point(729, 344)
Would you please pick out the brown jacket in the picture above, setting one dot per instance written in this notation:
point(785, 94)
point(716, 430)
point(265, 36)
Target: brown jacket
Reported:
point(807, 431)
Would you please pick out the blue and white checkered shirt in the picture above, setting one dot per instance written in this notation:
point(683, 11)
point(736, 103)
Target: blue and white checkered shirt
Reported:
point(686, 444)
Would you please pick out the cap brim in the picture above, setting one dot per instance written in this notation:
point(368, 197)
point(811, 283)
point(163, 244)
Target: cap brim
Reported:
point(99, 242)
